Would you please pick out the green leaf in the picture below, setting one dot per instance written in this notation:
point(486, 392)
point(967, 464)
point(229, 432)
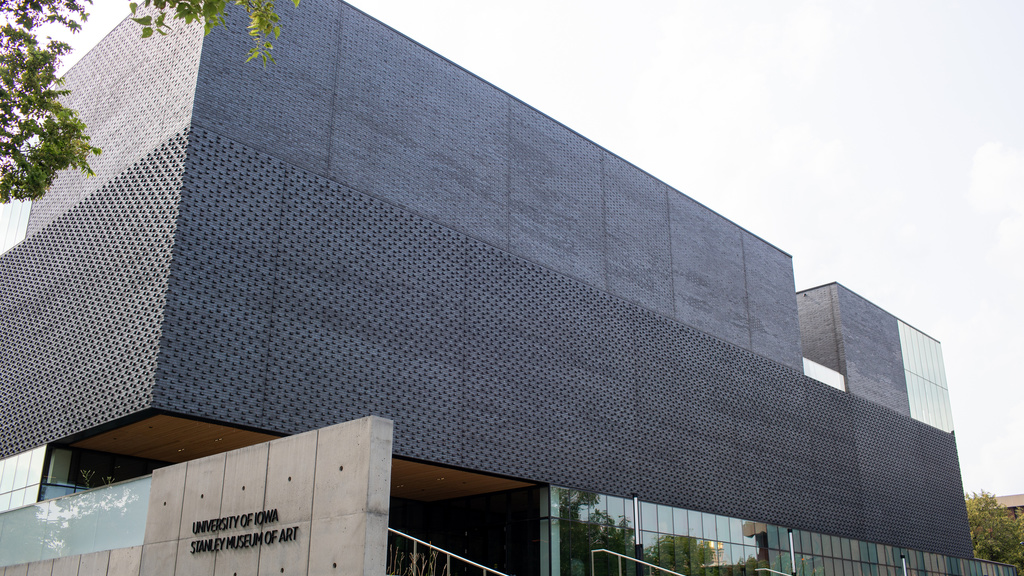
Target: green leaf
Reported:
point(145, 20)
point(133, 6)
point(147, 32)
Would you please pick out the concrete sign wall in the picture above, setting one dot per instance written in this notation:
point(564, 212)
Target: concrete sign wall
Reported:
point(315, 503)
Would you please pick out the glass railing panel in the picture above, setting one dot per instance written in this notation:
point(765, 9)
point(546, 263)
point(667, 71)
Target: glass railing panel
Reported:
point(102, 519)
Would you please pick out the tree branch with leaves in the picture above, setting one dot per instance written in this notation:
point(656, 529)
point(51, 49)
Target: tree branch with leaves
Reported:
point(263, 20)
point(39, 135)
point(995, 533)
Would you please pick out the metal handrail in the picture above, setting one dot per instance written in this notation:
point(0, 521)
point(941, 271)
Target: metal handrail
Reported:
point(593, 566)
point(449, 554)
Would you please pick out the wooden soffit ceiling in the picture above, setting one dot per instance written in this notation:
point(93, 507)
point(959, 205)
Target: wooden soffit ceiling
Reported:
point(430, 483)
point(172, 439)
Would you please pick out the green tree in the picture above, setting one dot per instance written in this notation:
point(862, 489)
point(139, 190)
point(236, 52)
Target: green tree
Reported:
point(583, 527)
point(39, 136)
point(996, 535)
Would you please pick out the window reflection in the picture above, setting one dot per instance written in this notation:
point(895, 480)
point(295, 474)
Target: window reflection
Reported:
point(701, 544)
point(101, 519)
point(926, 378)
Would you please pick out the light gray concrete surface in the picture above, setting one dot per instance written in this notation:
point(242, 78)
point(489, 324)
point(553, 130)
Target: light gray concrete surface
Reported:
point(66, 566)
point(318, 501)
point(42, 568)
point(125, 561)
point(204, 482)
point(158, 559)
point(166, 493)
point(94, 564)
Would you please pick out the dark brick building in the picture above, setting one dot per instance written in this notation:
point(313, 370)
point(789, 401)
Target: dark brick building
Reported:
point(367, 228)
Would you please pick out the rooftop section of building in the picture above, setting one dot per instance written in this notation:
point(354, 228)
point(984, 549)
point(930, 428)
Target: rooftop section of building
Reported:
point(397, 237)
point(882, 358)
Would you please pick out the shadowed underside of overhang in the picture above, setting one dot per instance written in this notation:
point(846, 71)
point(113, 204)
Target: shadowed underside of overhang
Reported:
point(173, 439)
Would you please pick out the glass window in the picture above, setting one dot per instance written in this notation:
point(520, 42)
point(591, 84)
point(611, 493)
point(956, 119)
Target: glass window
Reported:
point(722, 524)
point(826, 545)
point(617, 510)
point(710, 532)
point(13, 223)
point(679, 522)
point(725, 553)
point(18, 498)
point(667, 552)
point(665, 520)
point(804, 565)
point(699, 551)
point(736, 530)
point(21, 468)
point(35, 467)
point(751, 567)
point(648, 516)
point(805, 546)
point(584, 503)
point(682, 558)
point(6, 475)
point(693, 521)
point(601, 508)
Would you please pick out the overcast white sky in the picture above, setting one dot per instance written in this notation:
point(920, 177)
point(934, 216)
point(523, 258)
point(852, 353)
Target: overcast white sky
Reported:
point(879, 143)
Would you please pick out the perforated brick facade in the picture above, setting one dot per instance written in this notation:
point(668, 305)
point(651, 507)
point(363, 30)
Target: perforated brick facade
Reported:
point(387, 234)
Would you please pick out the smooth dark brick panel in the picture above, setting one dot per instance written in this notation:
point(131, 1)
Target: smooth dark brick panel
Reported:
point(707, 273)
point(352, 100)
point(555, 198)
point(284, 109)
point(771, 299)
point(637, 235)
point(819, 326)
point(872, 353)
point(420, 131)
point(490, 362)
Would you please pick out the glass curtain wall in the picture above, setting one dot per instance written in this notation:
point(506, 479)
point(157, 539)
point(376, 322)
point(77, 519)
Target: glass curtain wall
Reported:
point(696, 543)
point(500, 530)
point(20, 476)
point(926, 378)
